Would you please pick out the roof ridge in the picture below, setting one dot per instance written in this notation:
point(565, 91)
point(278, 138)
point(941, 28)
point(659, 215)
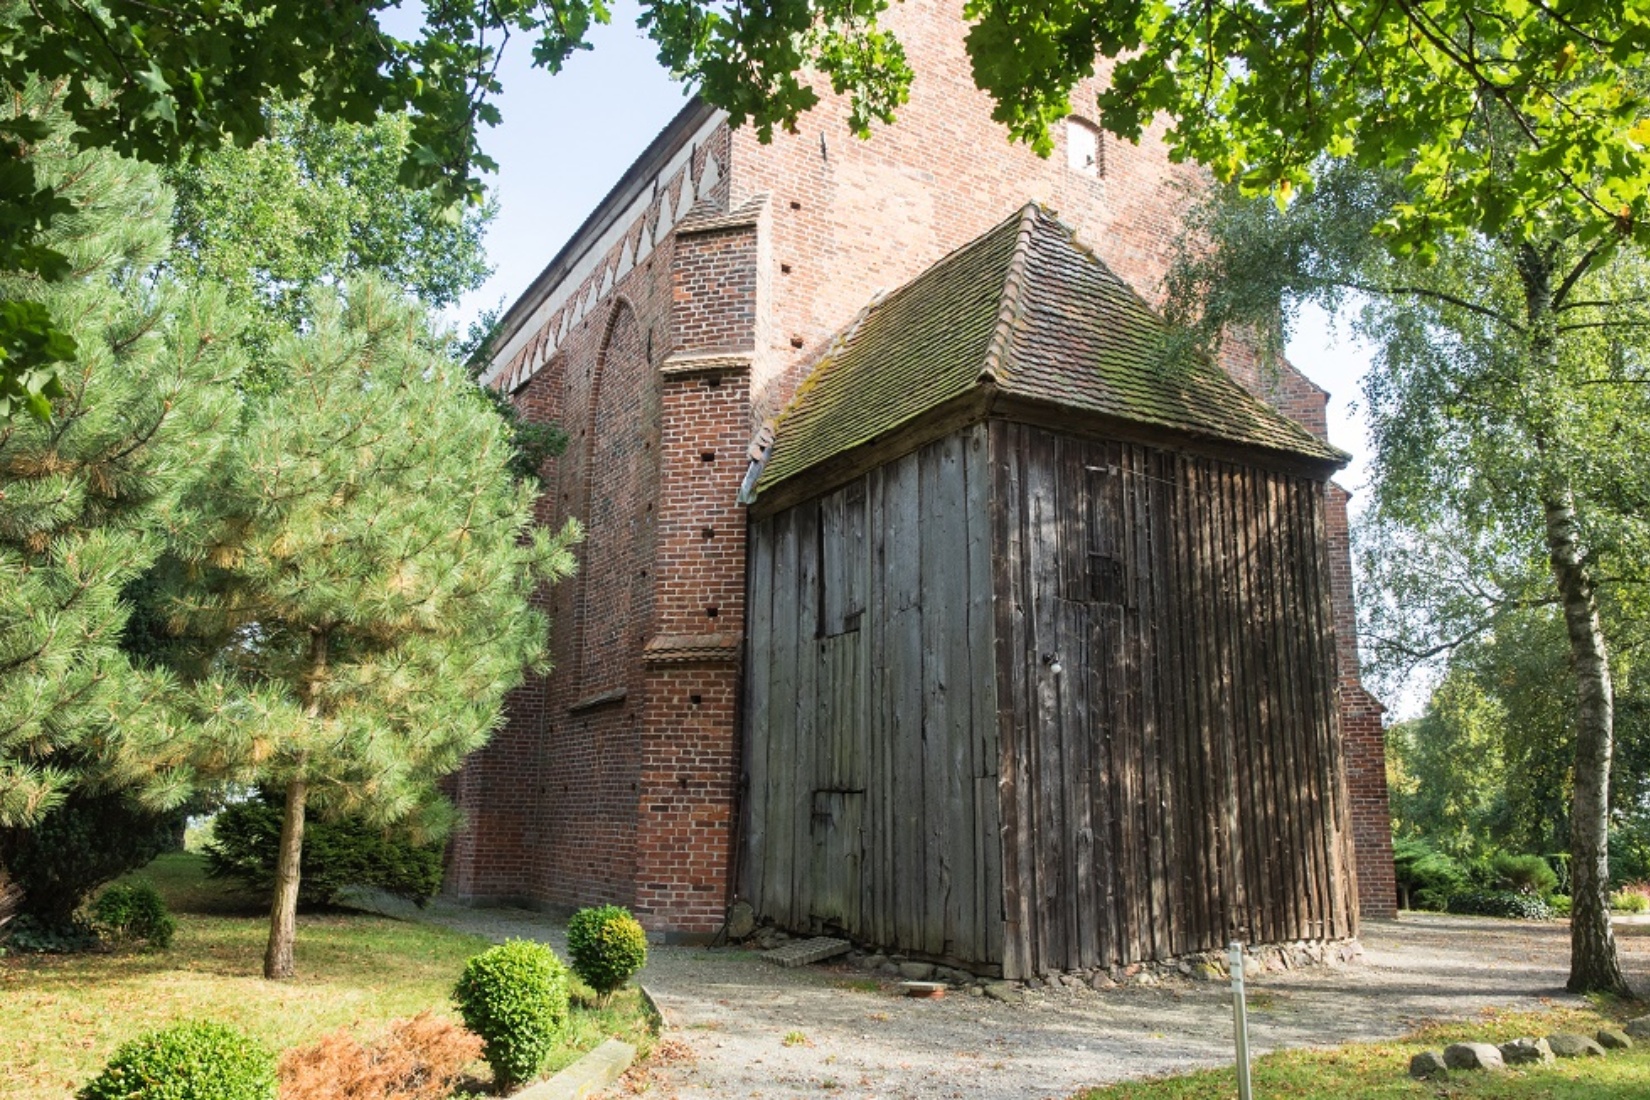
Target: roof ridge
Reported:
point(1008, 306)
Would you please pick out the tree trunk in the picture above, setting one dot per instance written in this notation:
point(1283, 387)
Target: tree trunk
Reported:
point(283, 911)
point(1595, 965)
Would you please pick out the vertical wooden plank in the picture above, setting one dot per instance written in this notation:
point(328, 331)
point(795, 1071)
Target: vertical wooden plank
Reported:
point(1168, 899)
point(948, 812)
point(1226, 606)
point(905, 685)
point(1173, 673)
point(1201, 597)
point(1006, 455)
point(1105, 693)
point(832, 566)
point(780, 789)
point(982, 681)
point(881, 821)
point(1261, 834)
point(1289, 705)
point(805, 778)
point(1083, 940)
point(1050, 854)
point(758, 699)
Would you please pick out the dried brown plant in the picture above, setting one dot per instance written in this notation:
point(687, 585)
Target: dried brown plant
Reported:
point(418, 1059)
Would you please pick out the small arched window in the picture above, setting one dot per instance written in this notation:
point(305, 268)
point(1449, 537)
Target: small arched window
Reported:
point(1084, 152)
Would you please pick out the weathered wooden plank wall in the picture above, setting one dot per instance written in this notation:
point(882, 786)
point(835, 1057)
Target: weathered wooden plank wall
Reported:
point(870, 701)
point(1171, 771)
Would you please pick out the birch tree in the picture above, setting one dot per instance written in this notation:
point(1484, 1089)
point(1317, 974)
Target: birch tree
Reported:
point(1510, 416)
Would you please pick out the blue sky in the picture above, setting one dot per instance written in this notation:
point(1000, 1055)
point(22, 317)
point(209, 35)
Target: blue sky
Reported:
point(566, 139)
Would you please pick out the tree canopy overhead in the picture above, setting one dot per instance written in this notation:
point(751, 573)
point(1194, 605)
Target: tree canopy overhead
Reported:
point(167, 83)
point(1504, 115)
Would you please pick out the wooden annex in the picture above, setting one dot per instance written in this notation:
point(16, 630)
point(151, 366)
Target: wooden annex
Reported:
point(1042, 660)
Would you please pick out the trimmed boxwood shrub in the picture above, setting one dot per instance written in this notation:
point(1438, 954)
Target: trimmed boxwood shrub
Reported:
point(606, 946)
point(1500, 903)
point(515, 997)
point(246, 839)
point(123, 914)
point(192, 1061)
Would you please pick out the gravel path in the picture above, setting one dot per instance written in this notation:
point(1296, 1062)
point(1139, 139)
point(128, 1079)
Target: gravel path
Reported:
point(751, 1029)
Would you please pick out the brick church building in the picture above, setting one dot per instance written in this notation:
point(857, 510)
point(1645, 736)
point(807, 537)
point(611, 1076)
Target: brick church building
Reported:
point(668, 338)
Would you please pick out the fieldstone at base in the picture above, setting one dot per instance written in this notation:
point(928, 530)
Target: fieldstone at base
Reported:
point(1525, 1052)
point(916, 971)
point(1428, 1065)
point(1574, 1046)
point(741, 920)
point(1004, 992)
point(1639, 1028)
point(1473, 1056)
point(1611, 1039)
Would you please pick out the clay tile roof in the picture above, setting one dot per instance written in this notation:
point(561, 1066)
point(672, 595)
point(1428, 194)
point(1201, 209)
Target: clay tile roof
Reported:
point(1029, 310)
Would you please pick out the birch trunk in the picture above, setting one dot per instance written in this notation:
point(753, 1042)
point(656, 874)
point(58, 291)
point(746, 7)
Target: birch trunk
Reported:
point(1595, 964)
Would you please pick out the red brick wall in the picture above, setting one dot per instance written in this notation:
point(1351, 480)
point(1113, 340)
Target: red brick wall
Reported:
point(615, 777)
point(1361, 731)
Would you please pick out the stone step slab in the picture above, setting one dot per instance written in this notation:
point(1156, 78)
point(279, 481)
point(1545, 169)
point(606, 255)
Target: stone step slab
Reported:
point(803, 952)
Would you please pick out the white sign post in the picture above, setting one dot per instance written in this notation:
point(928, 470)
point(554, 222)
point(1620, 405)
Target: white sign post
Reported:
point(1240, 1023)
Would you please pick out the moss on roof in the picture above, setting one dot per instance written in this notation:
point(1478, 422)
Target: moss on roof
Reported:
point(1027, 308)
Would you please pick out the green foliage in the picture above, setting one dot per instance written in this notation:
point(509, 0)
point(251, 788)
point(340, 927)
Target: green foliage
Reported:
point(1500, 903)
point(308, 206)
point(515, 997)
point(1629, 901)
point(192, 1061)
point(87, 840)
point(1448, 775)
point(360, 575)
point(337, 854)
point(1427, 876)
point(36, 935)
point(126, 913)
point(1525, 874)
point(1559, 904)
point(89, 495)
point(606, 946)
point(1511, 430)
point(169, 84)
point(1503, 118)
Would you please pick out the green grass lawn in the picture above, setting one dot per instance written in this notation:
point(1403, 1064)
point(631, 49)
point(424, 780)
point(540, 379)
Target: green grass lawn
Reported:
point(62, 1016)
point(1379, 1071)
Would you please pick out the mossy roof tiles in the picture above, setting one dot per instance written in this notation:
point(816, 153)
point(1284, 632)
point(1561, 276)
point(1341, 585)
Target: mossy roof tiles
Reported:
point(1027, 309)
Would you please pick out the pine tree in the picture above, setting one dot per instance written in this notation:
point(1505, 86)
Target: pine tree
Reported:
point(367, 564)
point(87, 495)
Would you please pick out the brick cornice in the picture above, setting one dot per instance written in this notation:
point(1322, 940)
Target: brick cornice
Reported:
point(675, 649)
point(680, 364)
